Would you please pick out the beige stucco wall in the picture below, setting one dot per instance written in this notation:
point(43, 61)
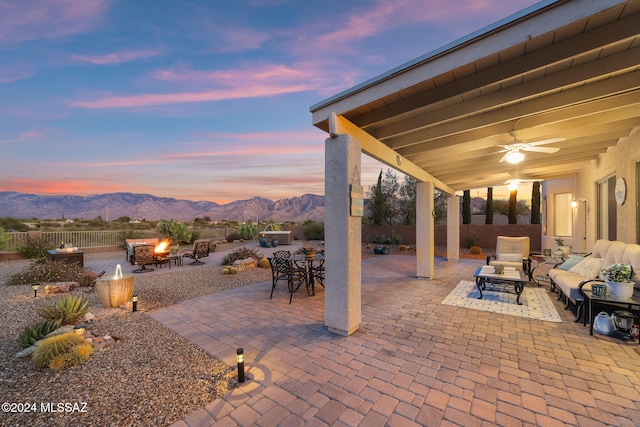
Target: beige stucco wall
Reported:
point(620, 161)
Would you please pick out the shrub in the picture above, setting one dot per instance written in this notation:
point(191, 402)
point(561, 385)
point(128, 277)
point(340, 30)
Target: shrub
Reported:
point(233, 236)
point(34, 333)
point(264, 263)
point(313, 230)
point(230, 270)
point(241, 253)
point(247, 230)
point(35, 248)
point(47, 272)
point(175, 231)
point(67, 310)
point(87, 279)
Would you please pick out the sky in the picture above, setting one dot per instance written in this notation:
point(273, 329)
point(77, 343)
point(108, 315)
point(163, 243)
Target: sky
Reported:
point(197, 99)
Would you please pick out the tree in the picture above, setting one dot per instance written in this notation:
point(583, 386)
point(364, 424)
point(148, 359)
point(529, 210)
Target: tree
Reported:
point(488, 219)
point(513, 201)
point(535, 203)
point(408, 201)
point(466, 207)
point(383, 199)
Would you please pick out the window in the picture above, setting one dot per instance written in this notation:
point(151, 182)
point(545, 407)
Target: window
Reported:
point(563, 218)
point(606, 209)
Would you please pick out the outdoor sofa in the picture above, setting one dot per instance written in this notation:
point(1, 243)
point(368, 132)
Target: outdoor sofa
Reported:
point(578, 273)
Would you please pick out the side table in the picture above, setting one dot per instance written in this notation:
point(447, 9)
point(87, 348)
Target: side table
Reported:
point(596, 304)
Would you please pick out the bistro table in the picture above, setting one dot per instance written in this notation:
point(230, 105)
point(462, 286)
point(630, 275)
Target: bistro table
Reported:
point(314, 267)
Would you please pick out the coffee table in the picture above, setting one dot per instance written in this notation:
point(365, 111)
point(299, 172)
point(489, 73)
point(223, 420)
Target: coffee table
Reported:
point(488, 280)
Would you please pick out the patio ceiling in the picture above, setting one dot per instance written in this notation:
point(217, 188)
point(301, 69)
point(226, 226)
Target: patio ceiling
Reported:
point(561, 69)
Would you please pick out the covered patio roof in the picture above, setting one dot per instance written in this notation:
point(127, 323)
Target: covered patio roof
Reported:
point(567, 71)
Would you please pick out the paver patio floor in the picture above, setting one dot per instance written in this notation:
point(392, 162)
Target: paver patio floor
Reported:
point(413, 361)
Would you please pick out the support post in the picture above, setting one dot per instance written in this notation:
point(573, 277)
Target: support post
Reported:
point(425, 246)
point(343, 236)
point(453, 228)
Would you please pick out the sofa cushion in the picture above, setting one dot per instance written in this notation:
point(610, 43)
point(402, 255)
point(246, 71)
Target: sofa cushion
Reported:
point(588, 268)
point(572, 261)
point(568, 283)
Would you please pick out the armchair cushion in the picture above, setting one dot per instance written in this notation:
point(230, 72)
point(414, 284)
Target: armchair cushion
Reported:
point(510, 257)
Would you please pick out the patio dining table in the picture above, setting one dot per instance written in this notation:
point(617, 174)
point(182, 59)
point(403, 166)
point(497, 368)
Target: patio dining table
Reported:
point(314, 267)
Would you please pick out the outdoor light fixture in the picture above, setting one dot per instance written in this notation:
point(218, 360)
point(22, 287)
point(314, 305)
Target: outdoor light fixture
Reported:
point(513, 185)
point(515, 156)
point(240, 360)
point(35, 287)
point(574, 204)
point(134, 299)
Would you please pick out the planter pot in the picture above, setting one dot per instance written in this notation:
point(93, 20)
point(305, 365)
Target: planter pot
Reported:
point(619, 291)
point(262, 241)
point(274, 243)
point(115, 290)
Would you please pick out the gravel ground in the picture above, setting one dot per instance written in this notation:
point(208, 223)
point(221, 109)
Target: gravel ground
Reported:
point(150, 376)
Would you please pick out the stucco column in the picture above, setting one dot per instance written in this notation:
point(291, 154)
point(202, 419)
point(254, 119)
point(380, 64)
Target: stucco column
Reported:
point(425, 246)
point(342, 237)
point(453, 228)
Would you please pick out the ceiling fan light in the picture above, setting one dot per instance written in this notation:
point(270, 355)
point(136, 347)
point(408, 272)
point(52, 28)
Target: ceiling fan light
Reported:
point(515, 157)
point(513, 185)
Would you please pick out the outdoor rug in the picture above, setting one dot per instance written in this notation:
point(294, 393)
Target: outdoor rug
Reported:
point(536, 303)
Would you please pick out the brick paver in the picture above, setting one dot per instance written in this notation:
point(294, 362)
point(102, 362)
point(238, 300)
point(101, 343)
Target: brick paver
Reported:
point(413, 361)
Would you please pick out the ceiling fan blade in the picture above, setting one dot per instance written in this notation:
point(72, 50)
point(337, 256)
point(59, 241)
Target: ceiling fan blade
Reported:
point(504, 158)
point(546, 141)
point(541, 149)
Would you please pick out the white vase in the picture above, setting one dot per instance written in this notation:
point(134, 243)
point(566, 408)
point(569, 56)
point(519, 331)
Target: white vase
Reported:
point(619, 290)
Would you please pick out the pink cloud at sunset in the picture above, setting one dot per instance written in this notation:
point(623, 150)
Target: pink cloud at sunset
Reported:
point(46, 19)
point(117, 57)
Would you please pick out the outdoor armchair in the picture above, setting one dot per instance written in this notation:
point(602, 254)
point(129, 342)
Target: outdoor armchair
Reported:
point(200, 250)
point(143, 255)
point(512, 252)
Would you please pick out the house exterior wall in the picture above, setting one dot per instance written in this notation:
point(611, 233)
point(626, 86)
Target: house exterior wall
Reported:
point(620, 161)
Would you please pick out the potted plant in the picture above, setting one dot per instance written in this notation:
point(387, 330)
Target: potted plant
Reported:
point(309, 251)
point(562, 249)
point(618, 280)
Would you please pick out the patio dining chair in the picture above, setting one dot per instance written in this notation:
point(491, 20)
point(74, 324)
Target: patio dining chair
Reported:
point(200, 250)
point(143, 255)
point(282, 254)
point(285, 269)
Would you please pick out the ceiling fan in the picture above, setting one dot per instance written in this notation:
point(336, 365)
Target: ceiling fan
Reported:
point(513, 152)
point(514, 181)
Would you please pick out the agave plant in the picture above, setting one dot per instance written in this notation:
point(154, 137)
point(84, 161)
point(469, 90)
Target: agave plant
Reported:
point(68, 310)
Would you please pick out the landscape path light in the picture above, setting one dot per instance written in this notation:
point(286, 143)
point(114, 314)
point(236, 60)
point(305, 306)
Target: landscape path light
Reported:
point(240, 360)
point(134, 300)
point(35, 287)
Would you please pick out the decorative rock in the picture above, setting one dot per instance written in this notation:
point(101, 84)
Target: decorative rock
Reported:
point(26, 352)
point(88, 318)
point(59, 287)
point(242, 264)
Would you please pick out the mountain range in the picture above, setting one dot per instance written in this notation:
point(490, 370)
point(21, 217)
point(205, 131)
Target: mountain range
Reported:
point(151, 208)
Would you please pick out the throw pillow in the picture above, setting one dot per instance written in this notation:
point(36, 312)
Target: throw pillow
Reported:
point(572, 261)
point(588, 268)
point(509, 257)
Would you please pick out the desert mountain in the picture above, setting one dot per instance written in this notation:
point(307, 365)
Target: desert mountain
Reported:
point(146, 206)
